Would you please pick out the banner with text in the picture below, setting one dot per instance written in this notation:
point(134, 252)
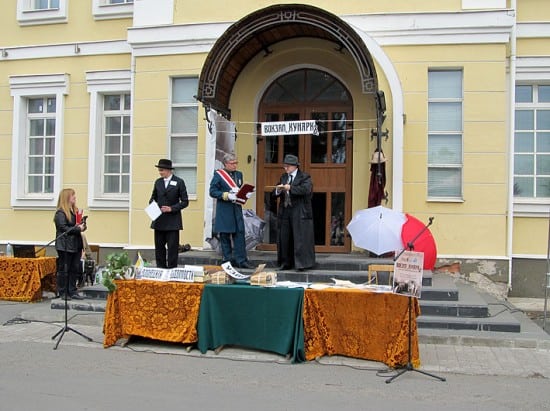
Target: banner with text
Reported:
point(279, 128)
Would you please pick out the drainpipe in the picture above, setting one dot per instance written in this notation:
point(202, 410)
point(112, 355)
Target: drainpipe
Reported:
point(510, 215)
point(132, 151)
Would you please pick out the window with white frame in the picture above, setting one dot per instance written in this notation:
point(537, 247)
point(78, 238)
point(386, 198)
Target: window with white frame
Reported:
point(184, 131)
point(38, 104)
point(445, 127)
point(42, 11)
point(116, 144)
point(112, 9)
point(110, 136)
point(40, 147)
point(532, 142)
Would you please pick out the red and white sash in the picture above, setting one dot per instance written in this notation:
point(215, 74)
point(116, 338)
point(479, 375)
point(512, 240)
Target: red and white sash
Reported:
point(227, 178)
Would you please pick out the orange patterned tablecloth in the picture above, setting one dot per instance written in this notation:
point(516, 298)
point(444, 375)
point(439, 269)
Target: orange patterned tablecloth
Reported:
point(360, 324)
point(22, 279)
point(166, 311)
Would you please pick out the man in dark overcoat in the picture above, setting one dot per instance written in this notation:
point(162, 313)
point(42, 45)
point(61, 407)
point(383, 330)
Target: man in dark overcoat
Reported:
point(295, 239)
point(170, 193)
point(229, 221)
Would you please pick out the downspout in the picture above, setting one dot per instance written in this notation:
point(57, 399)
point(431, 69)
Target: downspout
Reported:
point(511, 131)
point(132, 101)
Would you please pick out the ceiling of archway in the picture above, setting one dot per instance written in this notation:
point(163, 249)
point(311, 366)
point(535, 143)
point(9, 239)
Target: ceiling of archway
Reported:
point(256, 32)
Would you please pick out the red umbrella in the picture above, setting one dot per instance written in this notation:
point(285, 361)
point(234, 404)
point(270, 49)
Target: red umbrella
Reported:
point(425, 243)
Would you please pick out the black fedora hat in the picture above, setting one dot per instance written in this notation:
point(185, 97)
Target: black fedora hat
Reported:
point(165, 163)
point(291, 160)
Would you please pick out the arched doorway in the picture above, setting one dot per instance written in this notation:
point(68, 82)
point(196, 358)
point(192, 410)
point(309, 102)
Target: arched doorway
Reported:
point(309, 94)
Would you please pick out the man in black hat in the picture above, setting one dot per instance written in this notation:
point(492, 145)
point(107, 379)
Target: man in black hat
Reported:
point(170, 194)
point(295, 239)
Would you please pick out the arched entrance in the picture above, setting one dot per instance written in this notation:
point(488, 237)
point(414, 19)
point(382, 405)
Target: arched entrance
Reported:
point(309, 94)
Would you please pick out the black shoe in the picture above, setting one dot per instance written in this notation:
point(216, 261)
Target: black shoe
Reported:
point(246, 264)
point(63, 297)
point(76, 297)
point(282, 268)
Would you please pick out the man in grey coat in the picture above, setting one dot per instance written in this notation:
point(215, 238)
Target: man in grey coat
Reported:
point(295, 239)
point(170, 193)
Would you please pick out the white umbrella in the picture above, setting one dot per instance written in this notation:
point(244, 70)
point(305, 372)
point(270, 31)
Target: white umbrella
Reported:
point(377, 229)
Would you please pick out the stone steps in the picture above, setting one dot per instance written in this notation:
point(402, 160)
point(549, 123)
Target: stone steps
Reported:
point(446, 303)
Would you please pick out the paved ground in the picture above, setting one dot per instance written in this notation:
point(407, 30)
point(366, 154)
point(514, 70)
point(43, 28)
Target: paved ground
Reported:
point(523, 355)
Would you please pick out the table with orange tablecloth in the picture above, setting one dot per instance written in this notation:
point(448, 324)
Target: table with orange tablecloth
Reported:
point(23, 279)
point(166, 311)
point(353, 323)
point(360, 324)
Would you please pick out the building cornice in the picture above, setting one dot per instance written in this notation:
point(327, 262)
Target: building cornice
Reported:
point(390, 29)
point(65, 50)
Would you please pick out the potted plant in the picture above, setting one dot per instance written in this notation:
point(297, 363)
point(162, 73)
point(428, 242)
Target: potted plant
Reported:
point(118, 267)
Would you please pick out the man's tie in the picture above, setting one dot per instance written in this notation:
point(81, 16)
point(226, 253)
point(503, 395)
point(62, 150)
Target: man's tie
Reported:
point(287, 193)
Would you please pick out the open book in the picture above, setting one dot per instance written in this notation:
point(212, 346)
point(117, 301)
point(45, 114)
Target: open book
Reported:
point(245, 189)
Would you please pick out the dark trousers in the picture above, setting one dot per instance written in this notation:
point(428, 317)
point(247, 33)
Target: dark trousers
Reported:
point(68, 271)
point(285, 251)
point(164, 240)
point(235, 253)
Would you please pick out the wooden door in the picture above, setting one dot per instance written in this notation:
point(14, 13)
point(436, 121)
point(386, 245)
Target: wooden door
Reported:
point(327, 157)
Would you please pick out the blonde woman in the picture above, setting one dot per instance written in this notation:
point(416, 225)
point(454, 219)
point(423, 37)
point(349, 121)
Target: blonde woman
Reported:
point(68, 244)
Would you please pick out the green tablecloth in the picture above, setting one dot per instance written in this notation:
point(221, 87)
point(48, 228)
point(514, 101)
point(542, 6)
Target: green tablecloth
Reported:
point(267, 319)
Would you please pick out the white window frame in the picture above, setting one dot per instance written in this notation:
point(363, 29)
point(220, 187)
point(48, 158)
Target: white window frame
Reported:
point(100, 83)
point(531, 205)
point(27, 15)
point(191, 191)
point(21, 89)
point(529, 71)
point(460, 197)
point(104, 10)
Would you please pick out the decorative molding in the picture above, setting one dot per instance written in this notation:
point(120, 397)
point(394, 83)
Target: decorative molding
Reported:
point(493, 26)
point(533, 30)
point(532, 68)
point(39, 84)
point(67, 50)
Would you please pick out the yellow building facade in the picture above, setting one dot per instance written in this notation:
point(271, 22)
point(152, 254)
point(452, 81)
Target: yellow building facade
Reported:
point(94, 92)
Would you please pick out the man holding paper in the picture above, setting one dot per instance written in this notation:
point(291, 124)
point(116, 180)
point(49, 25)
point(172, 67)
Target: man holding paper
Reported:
point(170, 193)
point(229, 222)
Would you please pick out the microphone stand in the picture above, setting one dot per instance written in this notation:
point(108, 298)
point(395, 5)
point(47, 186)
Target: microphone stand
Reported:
point(409, 366)
point(66, 327)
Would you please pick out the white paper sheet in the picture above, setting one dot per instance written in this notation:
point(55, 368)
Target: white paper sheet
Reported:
point(153, 210)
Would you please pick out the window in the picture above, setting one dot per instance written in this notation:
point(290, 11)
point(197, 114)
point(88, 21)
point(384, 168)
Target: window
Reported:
point(532, 142)
point(37, 138)
point(44, 4)
point(184, 131)
point(31, 12)
point(40, 147)
point(112, 9)
point(116, 144)
point(445, 99)
point(110, 138)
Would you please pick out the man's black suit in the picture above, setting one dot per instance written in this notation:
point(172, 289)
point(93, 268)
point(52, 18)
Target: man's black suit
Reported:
point(167, 227)
point(295, 240)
